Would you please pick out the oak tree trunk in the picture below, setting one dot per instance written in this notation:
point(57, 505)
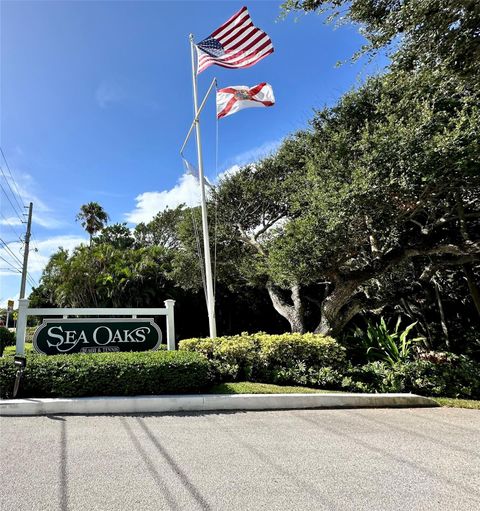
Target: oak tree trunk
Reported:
point(338, 308)
point(293, 312)
point(472, 285)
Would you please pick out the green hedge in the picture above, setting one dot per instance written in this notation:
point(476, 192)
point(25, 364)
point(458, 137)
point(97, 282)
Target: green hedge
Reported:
point(318, 361)
point(456, 376)
point(282, 359)
point(7, 338)
point(107, 374)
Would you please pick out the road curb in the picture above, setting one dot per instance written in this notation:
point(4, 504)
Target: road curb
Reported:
point(206, 402)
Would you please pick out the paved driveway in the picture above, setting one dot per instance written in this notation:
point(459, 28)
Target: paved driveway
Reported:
point(412, 459)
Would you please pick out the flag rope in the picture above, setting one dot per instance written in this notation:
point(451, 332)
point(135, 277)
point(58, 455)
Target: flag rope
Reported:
point(216, 198)
point(200, 253)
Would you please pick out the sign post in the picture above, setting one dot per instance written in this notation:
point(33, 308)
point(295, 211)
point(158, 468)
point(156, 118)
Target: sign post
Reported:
point(21, 329)
point(169, 304)
point(9, 310)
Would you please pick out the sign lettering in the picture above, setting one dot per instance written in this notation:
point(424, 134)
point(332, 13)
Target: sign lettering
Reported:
point(57, 336)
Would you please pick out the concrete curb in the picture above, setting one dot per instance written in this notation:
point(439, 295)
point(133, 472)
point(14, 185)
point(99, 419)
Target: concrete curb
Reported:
point(206, 402)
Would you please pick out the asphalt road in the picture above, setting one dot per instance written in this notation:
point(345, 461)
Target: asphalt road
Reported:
point(412, 459)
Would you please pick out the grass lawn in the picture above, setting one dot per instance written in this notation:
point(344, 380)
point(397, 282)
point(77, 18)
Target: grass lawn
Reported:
point(450, 402)
point(10, 350)
point(246, 387)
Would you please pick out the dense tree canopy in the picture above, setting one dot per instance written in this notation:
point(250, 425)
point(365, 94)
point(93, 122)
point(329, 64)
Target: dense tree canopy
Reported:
point(381, 179)
point(432, 34)
point(374, 206)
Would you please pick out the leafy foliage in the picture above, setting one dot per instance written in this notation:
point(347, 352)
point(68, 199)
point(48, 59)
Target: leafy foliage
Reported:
point(380, 343)
point(374, 187)
point(158, 260)
point(374, 208)
point(287, 358)
point(456, 376)
point(163, 229)
point(421, 33)
point(107, 374)
point(103, 275)
point(117, 235)
point(317, 361)
point(92, 217)
point(7, 338)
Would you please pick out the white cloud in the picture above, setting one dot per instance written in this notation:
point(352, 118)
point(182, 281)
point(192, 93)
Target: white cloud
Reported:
point(255, 154)
point(108, 93)
point(42, 214)
point(186, 191)
point(4, 302)
point(37, 259)
point(229, 172)
point(12, 220)
point(122, 91)
point(10, 280)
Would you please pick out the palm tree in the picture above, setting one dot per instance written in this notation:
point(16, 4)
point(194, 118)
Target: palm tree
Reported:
point(93, 218)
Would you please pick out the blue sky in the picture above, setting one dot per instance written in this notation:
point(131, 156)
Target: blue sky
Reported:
point(96, 99)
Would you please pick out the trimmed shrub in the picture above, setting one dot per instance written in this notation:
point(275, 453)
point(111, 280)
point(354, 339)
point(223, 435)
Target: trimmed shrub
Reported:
point(296, 357)
point(108, 374)
point(457, 376)
point(454, 376)
point(375, 377)
point(304, 359)
point(30, 330)
point(7, 338)
point(231, 358)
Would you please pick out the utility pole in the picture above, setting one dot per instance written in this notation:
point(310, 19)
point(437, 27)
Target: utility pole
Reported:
point(25, 251)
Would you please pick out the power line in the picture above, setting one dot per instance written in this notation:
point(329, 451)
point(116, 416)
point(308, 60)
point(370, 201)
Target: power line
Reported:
point(11, 252)
point(11, 227)
point(9, 186)
point(31, 280)
point(11, 203)
point(11, 175)
point(34, 239)
point(10, 264)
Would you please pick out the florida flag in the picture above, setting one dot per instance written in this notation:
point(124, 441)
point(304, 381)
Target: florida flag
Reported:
point(235, 98)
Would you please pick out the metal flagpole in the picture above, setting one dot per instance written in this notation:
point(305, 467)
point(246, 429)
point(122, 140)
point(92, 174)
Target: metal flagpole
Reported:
point(206, 242)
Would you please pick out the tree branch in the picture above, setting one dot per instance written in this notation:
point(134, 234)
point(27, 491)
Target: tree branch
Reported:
point(398, 255)
point(250, 240)
point(268, 225)
point(430, 270)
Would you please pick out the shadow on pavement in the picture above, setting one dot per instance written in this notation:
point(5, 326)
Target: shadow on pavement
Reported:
point(184, 479)
point(150, 465)
point(266, 460)
point(63, 466)
point(473, 492)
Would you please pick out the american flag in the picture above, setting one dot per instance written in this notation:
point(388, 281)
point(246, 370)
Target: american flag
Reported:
point(235, 44)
